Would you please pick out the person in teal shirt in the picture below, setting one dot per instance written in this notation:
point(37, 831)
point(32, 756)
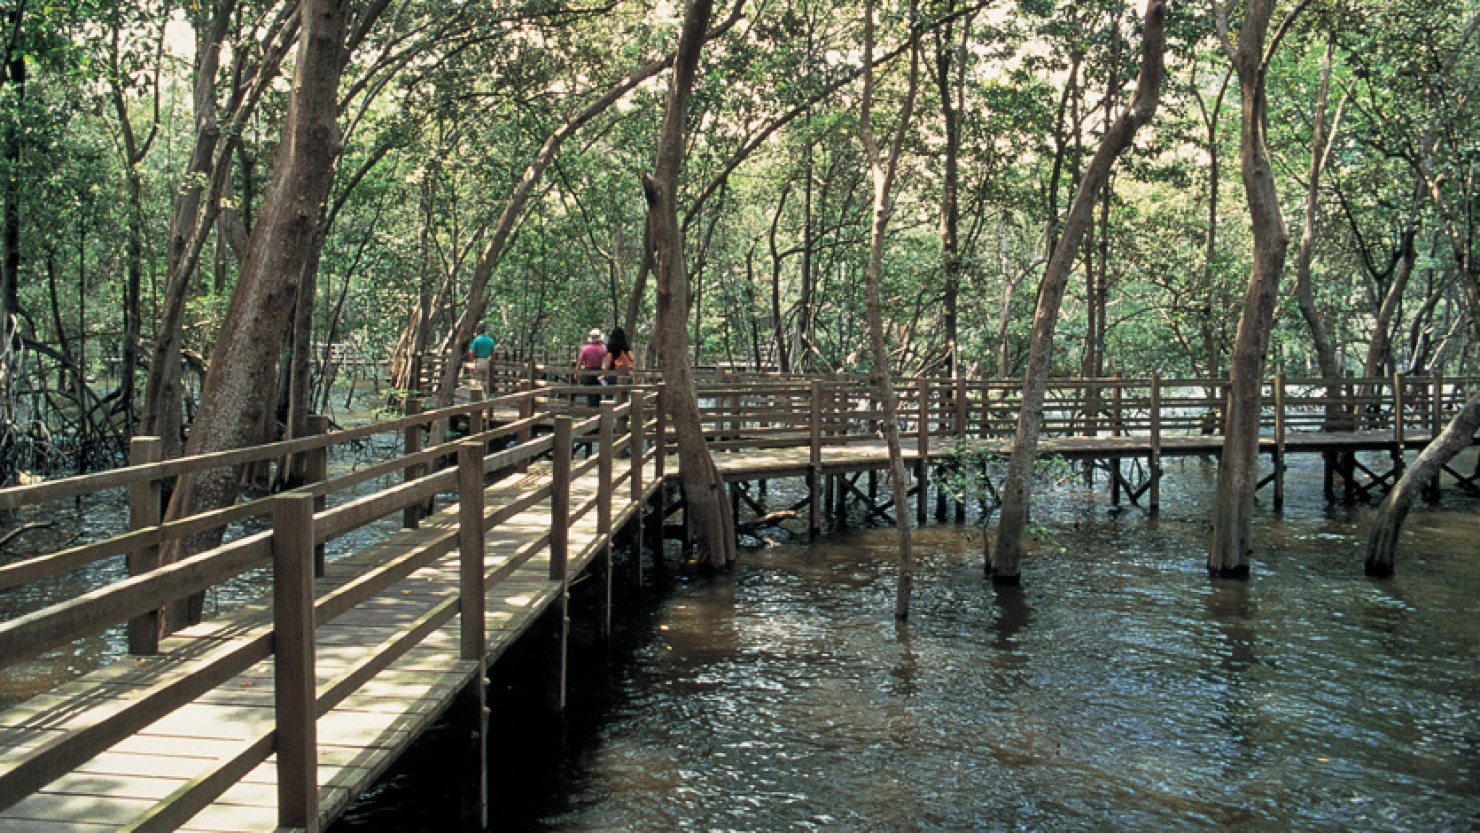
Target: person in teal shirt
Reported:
point(481, 351)
point(483, 344)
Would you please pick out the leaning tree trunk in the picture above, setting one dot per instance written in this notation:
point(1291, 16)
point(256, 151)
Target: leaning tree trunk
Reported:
point(1456, 437)
point(240, 390)
point(1012, 527)
point(705, 504)
point(1238, 469)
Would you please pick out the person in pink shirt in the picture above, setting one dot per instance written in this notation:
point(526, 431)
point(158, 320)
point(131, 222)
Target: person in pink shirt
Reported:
point(588, 364)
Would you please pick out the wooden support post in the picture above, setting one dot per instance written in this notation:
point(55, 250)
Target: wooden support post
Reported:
point(294, 695)
point(1399, 435)
point(1279, 441)
point(922, 450)
point(560, 554)
point(814, 468)
point(316, 470)
point(1436, 426)
point(1154, 501)
point(469, 709)
point(1115, 405)
point(606, 460)
point(411, 515)
point(660, 460)
point(1349, 458)
point(475, 417)
point(145, 509)
point(636, 452)
point(470, 531)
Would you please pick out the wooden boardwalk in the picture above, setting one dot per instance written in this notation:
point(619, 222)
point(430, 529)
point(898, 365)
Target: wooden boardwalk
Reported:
point(357, 739)
point(280, 713)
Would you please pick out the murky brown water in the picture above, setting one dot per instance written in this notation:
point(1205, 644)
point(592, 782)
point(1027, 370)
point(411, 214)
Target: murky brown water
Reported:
point(1120, 689)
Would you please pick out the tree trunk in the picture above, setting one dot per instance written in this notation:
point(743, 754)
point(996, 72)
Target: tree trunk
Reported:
point(1013, 524)
point(1456, 437)
point(163, 396)
point(882, 170)
point(706, 504)
point(238, 391)
point(10, 222)
point(950, 210)
point(1238, 468)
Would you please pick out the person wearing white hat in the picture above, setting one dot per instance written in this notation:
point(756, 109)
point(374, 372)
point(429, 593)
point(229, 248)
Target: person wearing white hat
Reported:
point(588, 363)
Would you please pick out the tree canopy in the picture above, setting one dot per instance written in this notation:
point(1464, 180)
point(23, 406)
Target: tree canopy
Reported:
point(487, 166)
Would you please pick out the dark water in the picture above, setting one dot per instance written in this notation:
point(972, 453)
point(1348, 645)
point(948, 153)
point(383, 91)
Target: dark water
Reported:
point(1119, 689)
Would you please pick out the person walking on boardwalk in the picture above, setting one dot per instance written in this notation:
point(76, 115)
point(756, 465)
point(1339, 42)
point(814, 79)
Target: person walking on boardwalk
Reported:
point(481, 352)
point(589, 361)
point(617, 363)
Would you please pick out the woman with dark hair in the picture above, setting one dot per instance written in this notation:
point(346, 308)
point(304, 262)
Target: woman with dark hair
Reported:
point(617, 364)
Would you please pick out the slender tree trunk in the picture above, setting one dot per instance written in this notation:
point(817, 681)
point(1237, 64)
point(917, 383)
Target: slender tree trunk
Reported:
point(706, 504)
point(882, 170)
point(639, 281)
point(1320, 337)
point(163, 416)
point(950, 210)
point(1013, 524)
point(1210, 243)
point(1238, 468)
point(239, 391)
point(10, 212)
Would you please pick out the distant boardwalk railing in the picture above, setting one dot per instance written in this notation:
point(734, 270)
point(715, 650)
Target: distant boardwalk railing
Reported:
point(454, 587)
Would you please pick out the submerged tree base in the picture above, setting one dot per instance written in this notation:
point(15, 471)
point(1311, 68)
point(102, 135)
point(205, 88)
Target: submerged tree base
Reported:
point(1239, 572)
point(1004, 579)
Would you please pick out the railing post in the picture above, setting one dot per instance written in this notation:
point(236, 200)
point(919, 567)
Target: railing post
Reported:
point(1279, 441)
point(1398, 431)
point(475, 416)
point(1436, 425)
point(1155, 418)
point(145, 509)
point(560, 498)
point(637, 450)
point(660, 462)
point(294, 694)
point(605, 470)
point(470, 533)
point(560, 551)
point(316, 470)
point(922, 450)
point(411, 444)
point(526, 412)
point(814, 466)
